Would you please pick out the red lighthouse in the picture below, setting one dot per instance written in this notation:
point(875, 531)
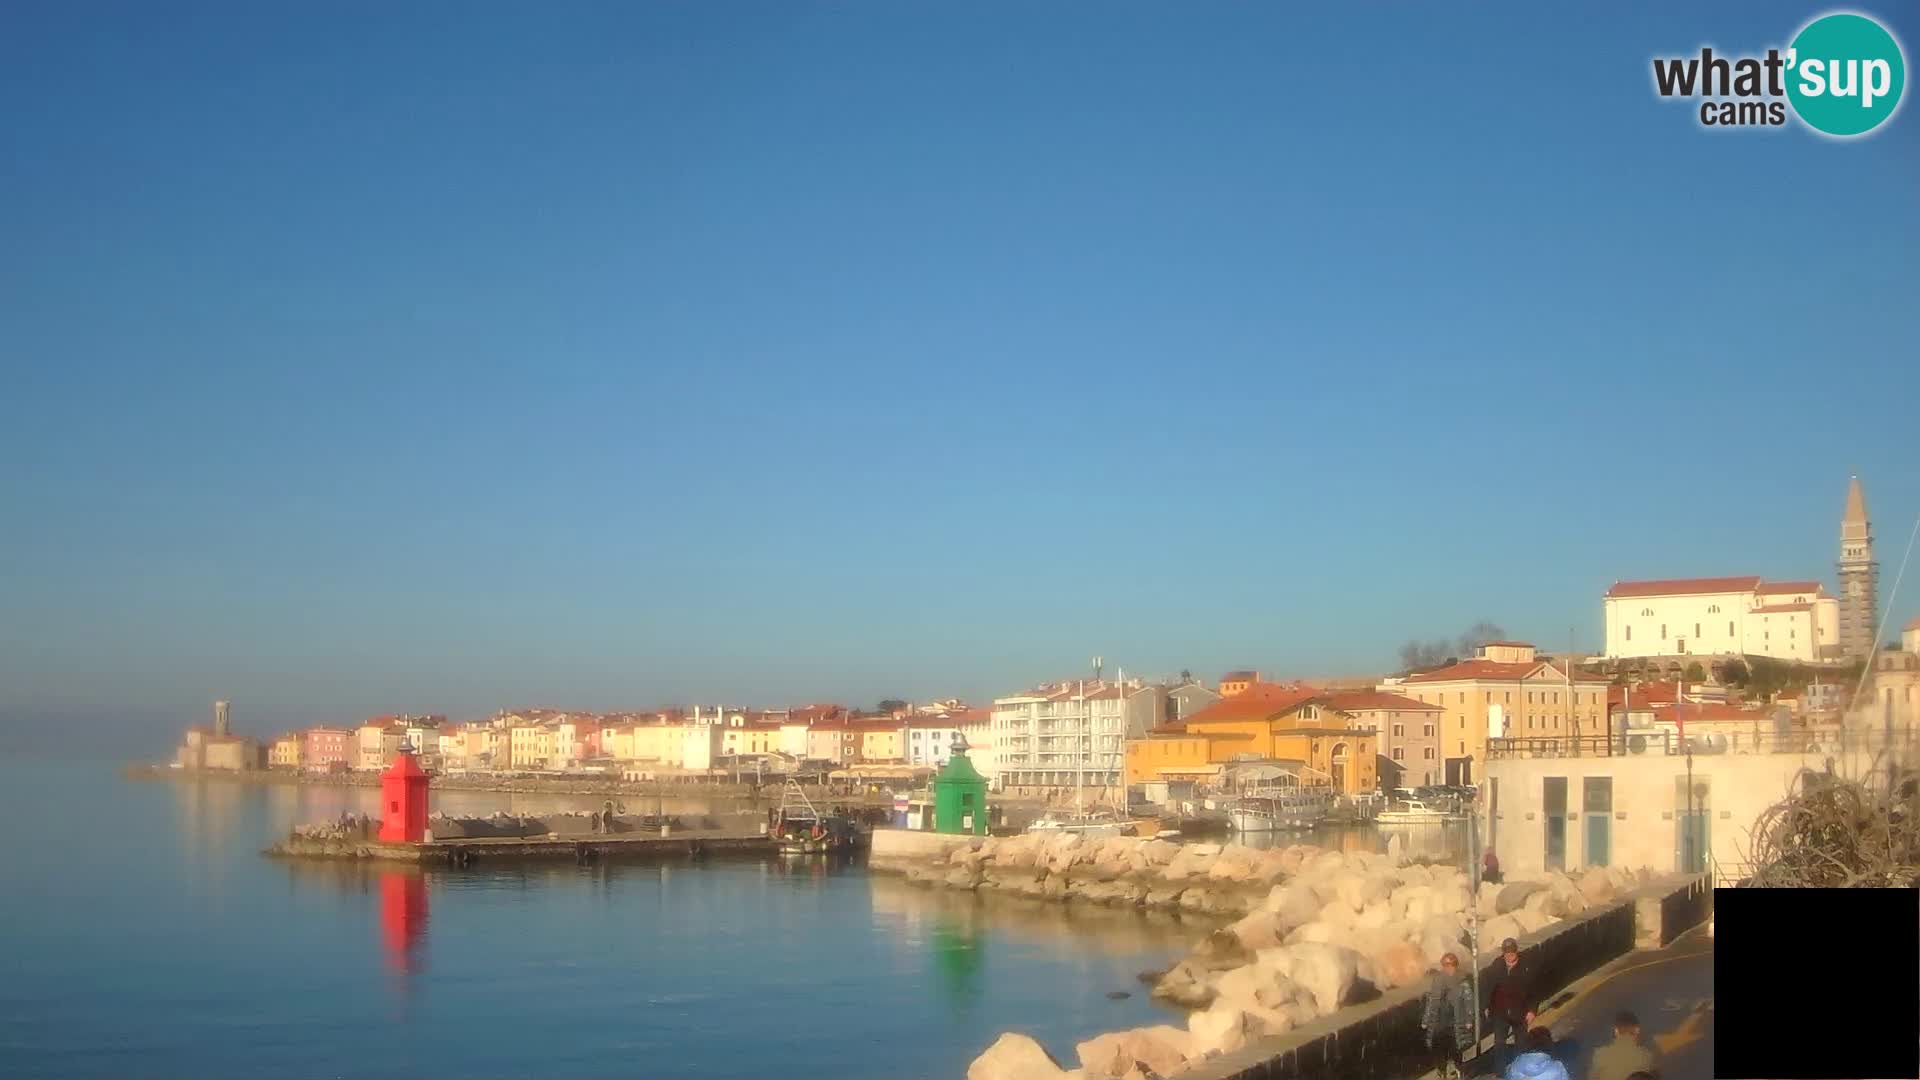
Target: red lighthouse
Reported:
point(403, 801)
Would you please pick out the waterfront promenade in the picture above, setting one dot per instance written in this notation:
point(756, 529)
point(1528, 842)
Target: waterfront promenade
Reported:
point(1670, 990)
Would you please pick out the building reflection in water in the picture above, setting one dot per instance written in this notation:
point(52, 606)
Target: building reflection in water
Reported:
point(403, 919)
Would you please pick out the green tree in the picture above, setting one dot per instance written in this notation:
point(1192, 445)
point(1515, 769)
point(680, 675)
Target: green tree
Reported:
point(1732, 672)
point(889, 706)
point(1695, 673)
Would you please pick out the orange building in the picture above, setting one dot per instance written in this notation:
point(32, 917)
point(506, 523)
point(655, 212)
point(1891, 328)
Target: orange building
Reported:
point(1263, 722)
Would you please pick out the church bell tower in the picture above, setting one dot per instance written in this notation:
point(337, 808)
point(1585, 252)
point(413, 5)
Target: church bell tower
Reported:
point(1859, 578)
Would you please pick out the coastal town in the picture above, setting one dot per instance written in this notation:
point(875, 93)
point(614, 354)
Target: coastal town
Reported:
point(1741, 676)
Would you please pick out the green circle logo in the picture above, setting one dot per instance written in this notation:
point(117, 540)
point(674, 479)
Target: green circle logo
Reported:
point(1845, 74)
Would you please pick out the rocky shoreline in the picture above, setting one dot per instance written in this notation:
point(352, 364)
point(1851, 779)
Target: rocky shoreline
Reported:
point(1314, 931)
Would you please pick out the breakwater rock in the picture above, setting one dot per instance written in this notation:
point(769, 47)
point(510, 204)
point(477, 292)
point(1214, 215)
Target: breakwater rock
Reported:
point(1312, 931)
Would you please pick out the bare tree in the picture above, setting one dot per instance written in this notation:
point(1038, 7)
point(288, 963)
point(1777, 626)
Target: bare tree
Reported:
point(1479, 634)
point(1415, 655)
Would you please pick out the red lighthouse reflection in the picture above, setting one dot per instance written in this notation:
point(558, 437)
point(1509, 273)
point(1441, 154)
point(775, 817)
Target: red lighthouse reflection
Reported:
point(403, 919)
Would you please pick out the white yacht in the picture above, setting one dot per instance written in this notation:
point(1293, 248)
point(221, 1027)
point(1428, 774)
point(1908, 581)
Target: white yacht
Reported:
point(1419, 812)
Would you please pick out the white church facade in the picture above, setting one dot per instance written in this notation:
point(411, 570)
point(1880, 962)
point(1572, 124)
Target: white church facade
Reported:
point(1731, 616)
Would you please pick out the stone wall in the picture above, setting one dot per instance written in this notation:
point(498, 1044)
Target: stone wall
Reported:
point(1329, 952)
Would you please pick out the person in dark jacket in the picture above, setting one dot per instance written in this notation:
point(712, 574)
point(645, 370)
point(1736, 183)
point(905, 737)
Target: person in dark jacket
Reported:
point(1626, 1056)
point(1447, 1015)
point(1513, 1001)
point(1490, 867)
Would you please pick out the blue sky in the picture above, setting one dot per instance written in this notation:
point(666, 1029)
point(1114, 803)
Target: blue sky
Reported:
point(440, 356)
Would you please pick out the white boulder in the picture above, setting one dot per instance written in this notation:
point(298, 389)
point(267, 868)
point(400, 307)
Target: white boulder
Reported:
point(1014, 1056)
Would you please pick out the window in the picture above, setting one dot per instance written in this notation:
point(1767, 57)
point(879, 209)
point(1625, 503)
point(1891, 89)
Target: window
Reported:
point(1646, 611)
point(1663, 631)
point(1729, 627)
point(1696, 629)
point(1714, 609)
point(1399, 731)
point(1428, 753)
point(1629, 633)
point(1399, 753)
point(1428, 732)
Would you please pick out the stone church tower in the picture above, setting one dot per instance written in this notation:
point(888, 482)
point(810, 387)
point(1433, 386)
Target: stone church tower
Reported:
point(1859, 578)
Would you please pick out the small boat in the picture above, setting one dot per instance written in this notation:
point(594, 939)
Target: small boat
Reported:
point(799, 829)
point(1092, 823)
point(1418, 812)
point(1280, 810)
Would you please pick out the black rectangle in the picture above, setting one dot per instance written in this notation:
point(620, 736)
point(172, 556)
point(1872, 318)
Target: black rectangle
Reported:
point(1817, 984)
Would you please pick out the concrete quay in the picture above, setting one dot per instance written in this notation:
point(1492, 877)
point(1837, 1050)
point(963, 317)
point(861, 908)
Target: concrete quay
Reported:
point(579, 849)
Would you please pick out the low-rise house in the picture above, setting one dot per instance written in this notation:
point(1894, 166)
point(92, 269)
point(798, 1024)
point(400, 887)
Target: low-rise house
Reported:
point(329, 749)
point(1408, 730)
point(288, 751)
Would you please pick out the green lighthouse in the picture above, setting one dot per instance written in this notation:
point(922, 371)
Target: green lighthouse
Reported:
point(960, 794)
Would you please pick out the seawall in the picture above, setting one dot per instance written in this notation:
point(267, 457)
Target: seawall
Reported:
point(1384, 1037)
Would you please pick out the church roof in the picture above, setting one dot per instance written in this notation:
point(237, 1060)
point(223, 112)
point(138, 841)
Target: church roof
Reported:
point(1685, 586)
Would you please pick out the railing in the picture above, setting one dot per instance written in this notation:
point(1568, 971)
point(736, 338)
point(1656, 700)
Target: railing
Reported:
point(1720, 740)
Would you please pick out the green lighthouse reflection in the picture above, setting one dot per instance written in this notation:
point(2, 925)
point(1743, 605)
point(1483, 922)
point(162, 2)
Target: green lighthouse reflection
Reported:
point(959, 956)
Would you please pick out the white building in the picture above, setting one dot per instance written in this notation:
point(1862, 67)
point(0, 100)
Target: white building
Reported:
point(1061, 736)
point(1729, 616)
point(929, 739)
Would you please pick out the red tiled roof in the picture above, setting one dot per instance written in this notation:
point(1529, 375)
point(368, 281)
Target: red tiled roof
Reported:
point(1498, 671)
point(1256, 702)
point(1915, 624)
point(1364, 700)
point(1651, 693)
point(1708, 713)
point(1788, 587)
point(942, 723)
point(1479, 669)
point(1684, 586)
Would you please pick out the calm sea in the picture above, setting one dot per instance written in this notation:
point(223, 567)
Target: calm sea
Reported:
point(144, 936)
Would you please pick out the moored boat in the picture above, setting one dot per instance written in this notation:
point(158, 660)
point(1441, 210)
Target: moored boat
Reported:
point(1280, 810)
point(1419, 812)
point(799, 829)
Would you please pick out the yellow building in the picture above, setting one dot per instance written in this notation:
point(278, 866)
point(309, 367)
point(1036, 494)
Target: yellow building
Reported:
point(879, 741)
point(1263, 722)
point(1510, 692)
point(287, 751)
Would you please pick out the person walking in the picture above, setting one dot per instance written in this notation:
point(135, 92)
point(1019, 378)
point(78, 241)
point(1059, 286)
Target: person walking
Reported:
point(1447, 1016)
point(1490, 867)
point(1512, 1003)
point(1538, 1063)
point(1626, 1056)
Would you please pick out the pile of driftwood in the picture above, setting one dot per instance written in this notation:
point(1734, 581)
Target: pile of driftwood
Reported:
point(1841, 832)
